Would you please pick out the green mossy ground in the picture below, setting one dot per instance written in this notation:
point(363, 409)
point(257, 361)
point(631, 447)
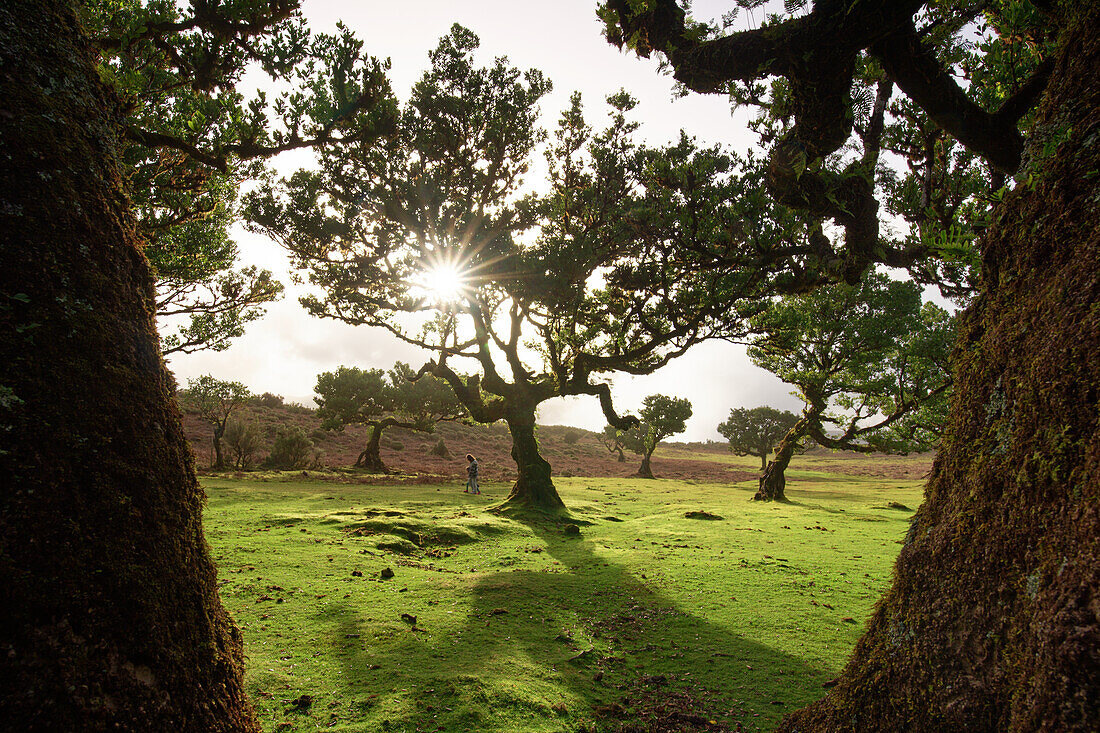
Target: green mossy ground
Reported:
point(520, 627)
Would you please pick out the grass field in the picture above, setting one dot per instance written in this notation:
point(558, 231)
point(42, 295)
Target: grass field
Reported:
point(722, 620)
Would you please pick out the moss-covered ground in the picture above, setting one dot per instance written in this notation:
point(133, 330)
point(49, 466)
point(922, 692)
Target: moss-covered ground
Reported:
point(681, 604)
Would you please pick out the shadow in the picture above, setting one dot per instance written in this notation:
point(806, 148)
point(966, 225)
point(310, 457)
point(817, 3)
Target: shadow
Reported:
point(578, 644)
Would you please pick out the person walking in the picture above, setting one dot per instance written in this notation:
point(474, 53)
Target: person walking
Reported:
point(471, 473)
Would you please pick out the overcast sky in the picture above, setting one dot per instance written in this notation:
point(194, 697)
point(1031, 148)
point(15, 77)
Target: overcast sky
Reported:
point(284, 352)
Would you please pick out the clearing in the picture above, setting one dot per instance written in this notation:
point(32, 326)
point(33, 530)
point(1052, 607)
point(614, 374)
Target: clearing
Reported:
point(679, 606)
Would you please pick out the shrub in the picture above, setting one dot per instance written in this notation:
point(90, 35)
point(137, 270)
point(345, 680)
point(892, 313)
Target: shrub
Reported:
point(318, 435)
point(292, 449)
point(396, 445)
point(571, 436)
point(440, 449)
point(269, 400)
point(243, 441)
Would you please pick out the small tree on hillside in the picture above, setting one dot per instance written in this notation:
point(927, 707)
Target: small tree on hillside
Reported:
point(215, 400)
point(755, 432)
point(612, 439)
point(379, 400)
point(870, 362)
point(661, 417)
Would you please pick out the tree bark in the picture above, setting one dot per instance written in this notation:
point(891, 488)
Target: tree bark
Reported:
point(371, 457)
point(110, 618)
point(219, 459)
point(773, 482)
point(622, 456)
point(645, 470)
point(534, 489)
point(993, 620)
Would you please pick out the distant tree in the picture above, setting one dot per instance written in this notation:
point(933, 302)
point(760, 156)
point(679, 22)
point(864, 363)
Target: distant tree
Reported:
point(291, 450)
point(189, 136)
point(371, 397)
point(216, 401)
point(756, 432)
point(869, 361)
point(660, 417)
point(243, 440)
point(612, 439)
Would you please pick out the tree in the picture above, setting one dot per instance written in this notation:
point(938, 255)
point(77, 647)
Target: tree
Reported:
point(370, 397)
point(612, 439)
point(292, 449)
point(660, 417)
point(755, 432)
point(987, 624)
point(215, 400)
point(111, 618)
point(243, 440)
point(869, 361)
point(429, 238)
point(189, 136)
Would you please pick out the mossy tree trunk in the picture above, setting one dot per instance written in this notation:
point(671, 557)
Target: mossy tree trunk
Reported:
point(534, 488)
point(993, 620)
point(111, 618)
point(371, 457)
point(773, 481)
point(646, 470)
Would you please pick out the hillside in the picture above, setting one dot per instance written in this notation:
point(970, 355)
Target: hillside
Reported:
point(570, 451)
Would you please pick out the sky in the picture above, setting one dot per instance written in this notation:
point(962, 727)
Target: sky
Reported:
point(285, 351)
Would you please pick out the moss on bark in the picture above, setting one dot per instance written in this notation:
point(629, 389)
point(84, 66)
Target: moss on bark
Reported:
point(110, 618)
point(993, 620)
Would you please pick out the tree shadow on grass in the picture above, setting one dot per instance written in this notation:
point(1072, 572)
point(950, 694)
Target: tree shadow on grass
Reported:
point(580, 644)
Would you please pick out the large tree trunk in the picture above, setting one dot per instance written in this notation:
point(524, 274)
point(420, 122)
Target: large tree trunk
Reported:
point(110, 618)
point(534, 489)
point(371, 457)
point(645, 470)
point(773, 482)
point(993, 621)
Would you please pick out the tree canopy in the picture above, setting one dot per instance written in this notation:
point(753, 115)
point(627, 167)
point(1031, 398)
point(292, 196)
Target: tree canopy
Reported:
point(823, 79)
point(756, 431)
point(190, 136)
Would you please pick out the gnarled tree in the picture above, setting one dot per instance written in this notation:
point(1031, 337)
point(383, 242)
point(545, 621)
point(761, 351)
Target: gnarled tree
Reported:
point(870, 362)
point(661, 417)
point(430, 239)
point(991, 622)
point(352, 396)
point(756, 431)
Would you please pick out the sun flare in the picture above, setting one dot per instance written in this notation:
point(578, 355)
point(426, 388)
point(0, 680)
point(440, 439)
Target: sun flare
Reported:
point(444, 283)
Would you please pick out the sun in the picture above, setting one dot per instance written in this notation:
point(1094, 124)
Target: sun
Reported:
point(444, 283)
